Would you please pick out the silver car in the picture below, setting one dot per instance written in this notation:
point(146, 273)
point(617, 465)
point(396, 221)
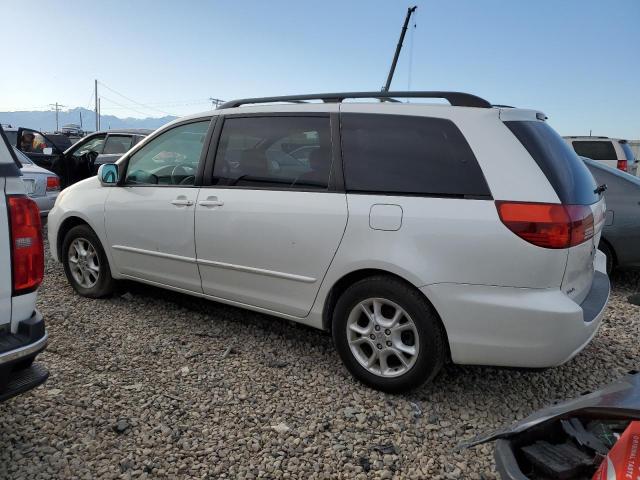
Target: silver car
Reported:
point(620, 239)
point(42, 185)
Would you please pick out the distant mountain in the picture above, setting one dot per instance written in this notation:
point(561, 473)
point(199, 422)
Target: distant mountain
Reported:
point(46, 120)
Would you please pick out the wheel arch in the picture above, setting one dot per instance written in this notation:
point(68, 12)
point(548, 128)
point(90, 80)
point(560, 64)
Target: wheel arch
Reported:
point(609, 245)
point(66, 225)
point(354, 276)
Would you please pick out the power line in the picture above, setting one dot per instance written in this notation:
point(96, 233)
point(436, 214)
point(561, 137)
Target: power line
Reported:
point(124, 106)
point(134, 101)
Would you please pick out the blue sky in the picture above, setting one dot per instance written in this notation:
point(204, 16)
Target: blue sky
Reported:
point(577, 60)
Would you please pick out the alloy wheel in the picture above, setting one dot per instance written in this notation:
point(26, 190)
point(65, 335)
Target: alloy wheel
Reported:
point(84, 262)
point(382, 337)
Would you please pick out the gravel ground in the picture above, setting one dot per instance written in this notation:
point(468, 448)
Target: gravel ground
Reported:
point(154, 384)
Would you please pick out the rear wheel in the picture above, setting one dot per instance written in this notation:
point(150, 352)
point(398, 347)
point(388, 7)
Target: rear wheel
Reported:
point(85, 263)
point(388, 335)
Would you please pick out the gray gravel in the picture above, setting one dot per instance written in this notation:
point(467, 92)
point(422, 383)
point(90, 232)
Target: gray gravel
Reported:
point(154, 384)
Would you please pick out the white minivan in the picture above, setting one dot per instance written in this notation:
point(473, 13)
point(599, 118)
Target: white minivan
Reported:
point(415, 233)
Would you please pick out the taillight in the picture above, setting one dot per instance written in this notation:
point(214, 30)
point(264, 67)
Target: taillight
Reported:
point(622, 165)
point(53, 184)
point(27, 249)
point(548, 225)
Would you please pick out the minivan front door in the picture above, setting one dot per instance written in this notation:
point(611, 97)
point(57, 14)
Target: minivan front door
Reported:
point(149, 217)
point(269, 226)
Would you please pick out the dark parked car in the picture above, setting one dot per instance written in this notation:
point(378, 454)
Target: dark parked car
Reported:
point(621, 234)
point(80, 160)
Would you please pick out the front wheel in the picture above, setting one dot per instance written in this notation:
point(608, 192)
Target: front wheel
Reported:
point(85, 263)
point(388, 335)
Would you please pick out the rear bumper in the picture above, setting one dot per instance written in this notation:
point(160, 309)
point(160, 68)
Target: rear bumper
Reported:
point(45, 203)
point(17, 352)
point(517, 327)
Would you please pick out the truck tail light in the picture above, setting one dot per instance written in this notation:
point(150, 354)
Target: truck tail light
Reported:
point(27, 249)
point(548, 225)
point(622, 165)
point(53, 184)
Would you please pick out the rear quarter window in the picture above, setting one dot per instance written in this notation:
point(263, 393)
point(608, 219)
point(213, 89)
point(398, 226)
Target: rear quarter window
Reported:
point(595, 150)
point(566, 172)
point(400, 154)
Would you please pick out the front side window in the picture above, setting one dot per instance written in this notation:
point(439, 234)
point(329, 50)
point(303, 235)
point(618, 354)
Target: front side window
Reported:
point(399, 154)
point(595, 150)
point(92, 145)
point(117, 144)
point(169, 159)
point(278, 152)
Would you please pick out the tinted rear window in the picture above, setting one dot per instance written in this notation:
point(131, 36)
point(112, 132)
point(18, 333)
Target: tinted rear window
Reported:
point(595, 150)
point(568, 175)
point(398, 154)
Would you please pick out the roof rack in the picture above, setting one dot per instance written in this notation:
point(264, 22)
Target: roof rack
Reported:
point(456, 99)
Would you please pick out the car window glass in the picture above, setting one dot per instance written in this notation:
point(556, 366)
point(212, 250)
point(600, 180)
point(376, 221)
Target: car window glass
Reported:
point(12, 136)
point(170, 159)
point(117, 144)
point(22, 158)
point(280, 152)
point(567, 174)
point(33, 142)
point(92, 145)
point(399, 154)
point(595, 150)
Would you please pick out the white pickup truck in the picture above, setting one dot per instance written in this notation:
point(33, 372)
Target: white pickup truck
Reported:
point(22, 332)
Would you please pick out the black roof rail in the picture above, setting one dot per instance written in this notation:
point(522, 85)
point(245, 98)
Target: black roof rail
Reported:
point(456, 99)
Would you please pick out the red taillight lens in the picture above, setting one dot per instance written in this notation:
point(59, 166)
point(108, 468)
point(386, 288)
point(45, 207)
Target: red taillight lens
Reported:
point(53, 183)
point(548, 225)
point(622, 165)
point(27, 249)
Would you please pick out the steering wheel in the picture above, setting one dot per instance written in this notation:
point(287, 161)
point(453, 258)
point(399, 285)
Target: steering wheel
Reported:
point(180, 171)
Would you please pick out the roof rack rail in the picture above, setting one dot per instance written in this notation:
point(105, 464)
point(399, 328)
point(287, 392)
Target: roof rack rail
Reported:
point(456, 99)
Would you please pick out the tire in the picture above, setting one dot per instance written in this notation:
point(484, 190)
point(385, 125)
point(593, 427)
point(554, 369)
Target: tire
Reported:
point(606, 249)
point(98, 284)
point(418, 326)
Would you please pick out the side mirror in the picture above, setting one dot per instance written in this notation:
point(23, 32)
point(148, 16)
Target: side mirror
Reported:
point(47, 151)
point(108, 174)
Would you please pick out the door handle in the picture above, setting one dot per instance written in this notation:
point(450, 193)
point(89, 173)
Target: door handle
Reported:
point(211, 202)
point(181, 202)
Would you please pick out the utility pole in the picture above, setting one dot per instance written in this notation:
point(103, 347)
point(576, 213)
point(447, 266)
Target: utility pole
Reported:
point(215, 102)
point(97, 110)
point(57, 107)
point(410, 10)
point(98, 114)
point(80, 119)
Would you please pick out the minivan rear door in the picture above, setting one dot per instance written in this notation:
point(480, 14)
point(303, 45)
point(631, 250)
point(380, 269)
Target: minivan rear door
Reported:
point(574, 185)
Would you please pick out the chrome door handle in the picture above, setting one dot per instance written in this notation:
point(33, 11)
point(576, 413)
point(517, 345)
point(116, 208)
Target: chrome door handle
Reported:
point(180, 202)
point(211, 202)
